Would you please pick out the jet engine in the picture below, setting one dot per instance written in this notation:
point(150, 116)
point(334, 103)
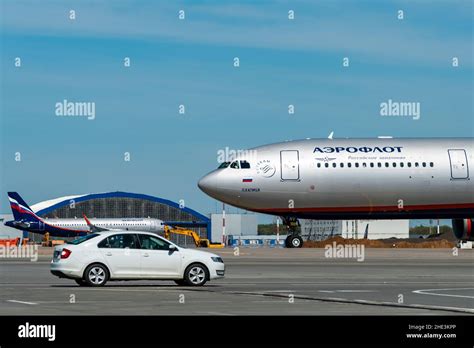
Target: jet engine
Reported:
point(462, 229)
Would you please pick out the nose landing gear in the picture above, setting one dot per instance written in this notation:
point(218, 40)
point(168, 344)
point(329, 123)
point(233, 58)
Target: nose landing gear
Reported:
point(293, 240)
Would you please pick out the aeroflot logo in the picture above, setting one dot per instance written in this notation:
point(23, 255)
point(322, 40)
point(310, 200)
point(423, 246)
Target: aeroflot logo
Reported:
point(353, 149)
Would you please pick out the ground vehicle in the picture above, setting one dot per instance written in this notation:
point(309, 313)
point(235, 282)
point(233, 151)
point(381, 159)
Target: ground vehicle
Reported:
point(198, 241)
point(127, 255)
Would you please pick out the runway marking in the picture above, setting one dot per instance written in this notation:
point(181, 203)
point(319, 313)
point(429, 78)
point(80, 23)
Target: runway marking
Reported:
point(22, 302)
point(422, 292)
point(355, 290)
point(362, 302)
point(217, 313)
point(333, 291)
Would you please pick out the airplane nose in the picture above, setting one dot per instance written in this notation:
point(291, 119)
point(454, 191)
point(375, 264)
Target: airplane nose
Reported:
point(207, 183)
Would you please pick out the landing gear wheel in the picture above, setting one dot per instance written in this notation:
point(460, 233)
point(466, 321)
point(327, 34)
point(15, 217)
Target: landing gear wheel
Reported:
point(180, 282)
point(81, 282)
point(196, 275)
point(96, 275)
point(294, 242)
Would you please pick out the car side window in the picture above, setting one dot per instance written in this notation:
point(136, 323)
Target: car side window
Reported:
point(120, 241)
point(152, 243)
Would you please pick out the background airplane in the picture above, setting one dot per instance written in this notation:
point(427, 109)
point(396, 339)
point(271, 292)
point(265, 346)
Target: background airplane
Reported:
point(27, 220)
point(381, 178)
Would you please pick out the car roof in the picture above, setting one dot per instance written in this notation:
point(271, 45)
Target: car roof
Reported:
point(108, 233)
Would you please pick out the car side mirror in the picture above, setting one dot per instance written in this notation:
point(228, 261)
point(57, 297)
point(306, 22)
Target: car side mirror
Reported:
point(172, 248)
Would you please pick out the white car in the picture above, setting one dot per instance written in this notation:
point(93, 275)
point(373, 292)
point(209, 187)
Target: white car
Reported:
point(94, 259)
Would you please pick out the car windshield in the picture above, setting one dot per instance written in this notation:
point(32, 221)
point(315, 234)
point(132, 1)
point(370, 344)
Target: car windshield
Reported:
point(223, 165)
point(82, 239)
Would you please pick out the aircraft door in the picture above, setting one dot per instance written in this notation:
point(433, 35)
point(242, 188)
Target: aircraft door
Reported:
point(458, 162)
point(289, 164)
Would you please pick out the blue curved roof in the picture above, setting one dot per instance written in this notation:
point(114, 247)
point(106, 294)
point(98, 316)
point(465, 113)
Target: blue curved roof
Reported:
point(120, 194)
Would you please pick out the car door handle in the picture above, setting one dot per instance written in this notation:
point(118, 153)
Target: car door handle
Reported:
point(108, 254)
point(145, 255)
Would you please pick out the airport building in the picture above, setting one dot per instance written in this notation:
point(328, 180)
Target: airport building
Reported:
point(375, 229)
point(235, 225)
point(126, 205)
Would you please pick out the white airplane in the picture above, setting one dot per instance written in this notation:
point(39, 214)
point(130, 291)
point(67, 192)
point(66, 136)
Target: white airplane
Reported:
point(382, 178)
point(27, 220)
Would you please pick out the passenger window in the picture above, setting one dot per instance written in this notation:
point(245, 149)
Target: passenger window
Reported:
point(386, 164)
point(402, 164)
point(364, 165)
point(244, 165)
point(349, 164)
point(409, 164)
point(357, 164)
point(334, 165)
point(431, 164)
point(371, 164)
point(416, 164)
point(394, 164)
point(235, 165)
point(342, 165)
point(319, 165)
point(424, 164)
point(379, 164)
point(326, 165)
point(152, 243)
point(120, 241)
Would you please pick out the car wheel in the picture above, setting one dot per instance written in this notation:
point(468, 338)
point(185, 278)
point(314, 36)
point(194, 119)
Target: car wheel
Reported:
point(180, 282)
point(96, 275)
point(81, 282)
point(196, 275)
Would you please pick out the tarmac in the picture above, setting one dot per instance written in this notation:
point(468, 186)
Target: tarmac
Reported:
point(262, 281)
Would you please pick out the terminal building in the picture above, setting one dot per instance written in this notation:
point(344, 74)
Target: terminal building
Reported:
point(124, 205)
point(357, 229)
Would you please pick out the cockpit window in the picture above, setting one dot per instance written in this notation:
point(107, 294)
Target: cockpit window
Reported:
point(244, 165)
point(223, 165)
point(235, 165)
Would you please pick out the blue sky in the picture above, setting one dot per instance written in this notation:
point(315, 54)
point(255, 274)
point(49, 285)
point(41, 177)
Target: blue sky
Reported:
point(190, 62)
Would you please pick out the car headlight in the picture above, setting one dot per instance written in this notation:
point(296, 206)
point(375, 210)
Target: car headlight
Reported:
point(217, 259)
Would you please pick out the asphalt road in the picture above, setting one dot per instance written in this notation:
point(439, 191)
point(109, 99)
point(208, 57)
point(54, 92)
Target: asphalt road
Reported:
point(263, 282)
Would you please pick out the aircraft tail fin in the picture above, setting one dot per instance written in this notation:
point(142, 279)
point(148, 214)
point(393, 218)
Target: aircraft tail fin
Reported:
point(20, 209)
point(92, 227)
